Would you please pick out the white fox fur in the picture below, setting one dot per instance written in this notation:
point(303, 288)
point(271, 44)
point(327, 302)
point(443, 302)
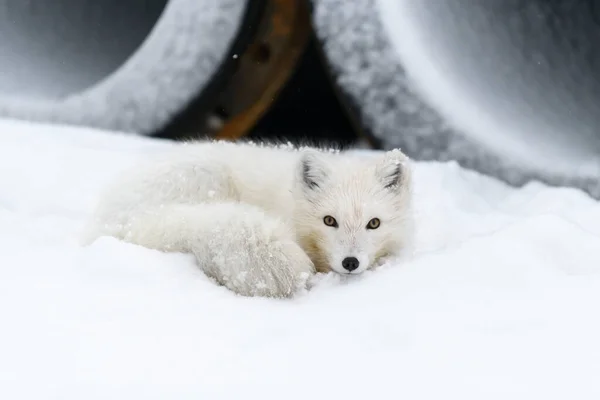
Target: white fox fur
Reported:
point(253, 215)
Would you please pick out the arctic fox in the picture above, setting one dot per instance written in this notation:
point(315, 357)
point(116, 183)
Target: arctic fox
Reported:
point(261, 219)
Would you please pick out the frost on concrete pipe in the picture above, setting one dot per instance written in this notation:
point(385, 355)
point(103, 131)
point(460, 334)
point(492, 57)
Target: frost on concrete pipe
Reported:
point(129, 66)
point(507, 87)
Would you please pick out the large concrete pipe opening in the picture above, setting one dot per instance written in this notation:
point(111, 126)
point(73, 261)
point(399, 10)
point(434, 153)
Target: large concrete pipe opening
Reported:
point(52, 49)
point(521, 78)
point(122, 65)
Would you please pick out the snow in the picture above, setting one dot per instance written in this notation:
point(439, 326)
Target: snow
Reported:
point(501, 300)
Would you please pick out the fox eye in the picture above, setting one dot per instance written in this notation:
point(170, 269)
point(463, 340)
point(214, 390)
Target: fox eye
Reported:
point(374, 223)
point(330, 221)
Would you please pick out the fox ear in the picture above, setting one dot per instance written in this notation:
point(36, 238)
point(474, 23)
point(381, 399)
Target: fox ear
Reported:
point(390, 170)
point(313, 170)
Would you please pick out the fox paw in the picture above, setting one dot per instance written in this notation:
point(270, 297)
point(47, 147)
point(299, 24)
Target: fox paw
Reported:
point(279, 268)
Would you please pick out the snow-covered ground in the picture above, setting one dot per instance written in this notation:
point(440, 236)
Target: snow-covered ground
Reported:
point(502, 301)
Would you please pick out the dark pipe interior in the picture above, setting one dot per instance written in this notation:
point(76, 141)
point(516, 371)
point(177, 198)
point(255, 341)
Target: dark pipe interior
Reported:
point(307, 110)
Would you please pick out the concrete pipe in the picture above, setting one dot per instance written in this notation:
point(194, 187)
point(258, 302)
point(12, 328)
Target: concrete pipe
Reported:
point(510, 88)
point(129, 66)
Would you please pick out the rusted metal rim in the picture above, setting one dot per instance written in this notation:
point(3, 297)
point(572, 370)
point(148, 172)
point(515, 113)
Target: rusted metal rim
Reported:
point(263, 69)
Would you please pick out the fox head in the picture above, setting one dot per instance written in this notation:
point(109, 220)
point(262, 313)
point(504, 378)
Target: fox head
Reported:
point(352, 212)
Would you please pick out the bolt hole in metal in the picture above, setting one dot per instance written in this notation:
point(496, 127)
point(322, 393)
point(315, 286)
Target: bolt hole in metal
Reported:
point(262, 53)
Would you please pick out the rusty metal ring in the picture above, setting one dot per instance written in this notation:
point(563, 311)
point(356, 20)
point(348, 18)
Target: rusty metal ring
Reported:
point(264, 67)
point(269, 46)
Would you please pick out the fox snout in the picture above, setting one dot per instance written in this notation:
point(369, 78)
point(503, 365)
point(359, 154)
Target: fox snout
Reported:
point(350, 263)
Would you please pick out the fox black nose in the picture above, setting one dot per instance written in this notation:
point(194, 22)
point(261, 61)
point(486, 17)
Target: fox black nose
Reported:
point(350, 263)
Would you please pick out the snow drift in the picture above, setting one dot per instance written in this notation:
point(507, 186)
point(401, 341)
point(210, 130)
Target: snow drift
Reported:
point(500, 302)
